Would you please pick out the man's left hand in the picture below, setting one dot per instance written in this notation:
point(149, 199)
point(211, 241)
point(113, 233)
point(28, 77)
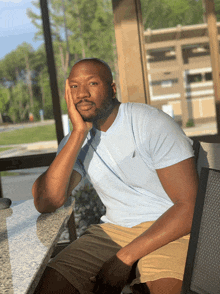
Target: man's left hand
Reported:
point(113, 276)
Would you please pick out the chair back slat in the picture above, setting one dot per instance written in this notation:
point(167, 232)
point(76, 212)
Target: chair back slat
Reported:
point(209, 156)
point(196, 148)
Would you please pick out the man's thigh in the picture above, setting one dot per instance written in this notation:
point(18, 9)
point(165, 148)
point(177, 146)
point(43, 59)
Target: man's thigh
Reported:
point(167, 262)
point(83, 258)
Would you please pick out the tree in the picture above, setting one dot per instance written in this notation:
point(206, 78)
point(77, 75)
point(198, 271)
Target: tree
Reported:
point(41, 83)
point(158, 14)
point(90, 31)
point(11, 68)
point(19, 104)
point(4, 99)
point(217, 9)
point(17, 74)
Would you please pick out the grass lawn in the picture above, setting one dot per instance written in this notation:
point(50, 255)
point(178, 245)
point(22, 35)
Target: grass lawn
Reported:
point(8, 174)
point(5, 148)
point(29, 135)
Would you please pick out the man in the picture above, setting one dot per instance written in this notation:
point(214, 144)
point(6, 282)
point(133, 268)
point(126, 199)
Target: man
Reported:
point(141, 165)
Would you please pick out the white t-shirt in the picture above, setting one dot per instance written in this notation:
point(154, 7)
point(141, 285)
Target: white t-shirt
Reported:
point(121, 163)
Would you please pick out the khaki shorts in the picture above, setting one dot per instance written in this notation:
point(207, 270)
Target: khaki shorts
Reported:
point(84, 257)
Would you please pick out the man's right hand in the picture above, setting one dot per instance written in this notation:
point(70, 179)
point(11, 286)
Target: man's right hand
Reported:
point(76, 119)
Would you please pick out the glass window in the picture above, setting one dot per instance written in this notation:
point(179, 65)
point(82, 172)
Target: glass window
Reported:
point(195, 78)
point(208, 76)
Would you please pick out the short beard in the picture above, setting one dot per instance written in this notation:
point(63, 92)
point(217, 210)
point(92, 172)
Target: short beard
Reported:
point(101, 113)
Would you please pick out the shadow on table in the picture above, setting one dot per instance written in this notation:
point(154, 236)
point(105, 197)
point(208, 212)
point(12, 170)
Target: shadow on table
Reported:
point(47, 234)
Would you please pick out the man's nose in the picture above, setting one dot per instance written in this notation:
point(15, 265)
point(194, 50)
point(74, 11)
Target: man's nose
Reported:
point(82, 92)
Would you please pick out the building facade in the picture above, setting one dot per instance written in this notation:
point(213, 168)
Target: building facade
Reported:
point(180, 73)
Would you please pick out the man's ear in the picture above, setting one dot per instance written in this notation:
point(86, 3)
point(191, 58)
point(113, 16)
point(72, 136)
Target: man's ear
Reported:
point(113, 86)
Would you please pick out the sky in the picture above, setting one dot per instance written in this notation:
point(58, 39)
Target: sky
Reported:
point(15, 26)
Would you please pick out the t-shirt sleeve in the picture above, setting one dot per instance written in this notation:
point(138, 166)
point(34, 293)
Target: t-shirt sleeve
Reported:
point(78, 166)
point(168, 144)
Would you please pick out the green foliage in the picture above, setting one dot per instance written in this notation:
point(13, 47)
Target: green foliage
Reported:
point(4, 99)
point(64, 107)
point(217, 9)
point(17, 75)
point(190, 123)
point(89, 25)
point(39, 61)
point(8, 174)
point(46, 98)
point(19, 107)
point(13, 66)
point(90, 34)
point(158, 14)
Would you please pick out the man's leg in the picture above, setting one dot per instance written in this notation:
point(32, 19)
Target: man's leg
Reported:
point(52, 282)
point(73, 267)
point(165, 286)
point(140, 289)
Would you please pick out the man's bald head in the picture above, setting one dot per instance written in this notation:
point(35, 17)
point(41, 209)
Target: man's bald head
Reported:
point(100, 67)
point(91, 83)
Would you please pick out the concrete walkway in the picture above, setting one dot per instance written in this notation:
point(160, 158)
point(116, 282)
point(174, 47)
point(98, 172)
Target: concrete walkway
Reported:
point(31, 148)
point(201, 129)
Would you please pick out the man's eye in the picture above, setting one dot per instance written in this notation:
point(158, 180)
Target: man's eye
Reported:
point(93, 83)
point(73, 86)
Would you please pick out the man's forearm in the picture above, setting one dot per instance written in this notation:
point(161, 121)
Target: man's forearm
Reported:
point(173, 224)
point(50, 189)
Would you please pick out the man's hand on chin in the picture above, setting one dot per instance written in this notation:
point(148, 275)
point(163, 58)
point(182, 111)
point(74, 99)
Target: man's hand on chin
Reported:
point(113, 276)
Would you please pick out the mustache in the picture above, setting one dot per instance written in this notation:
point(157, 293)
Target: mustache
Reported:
point(83, 101)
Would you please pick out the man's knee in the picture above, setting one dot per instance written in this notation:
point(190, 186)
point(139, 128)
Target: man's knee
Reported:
point(165, 286)
point(53, 282)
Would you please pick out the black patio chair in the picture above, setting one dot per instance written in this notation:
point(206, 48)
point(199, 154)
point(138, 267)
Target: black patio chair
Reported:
point(202, 269)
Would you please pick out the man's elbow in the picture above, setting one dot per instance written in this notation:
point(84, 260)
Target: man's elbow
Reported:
point(43, 202)
point(43, 207)
point(189, 213)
